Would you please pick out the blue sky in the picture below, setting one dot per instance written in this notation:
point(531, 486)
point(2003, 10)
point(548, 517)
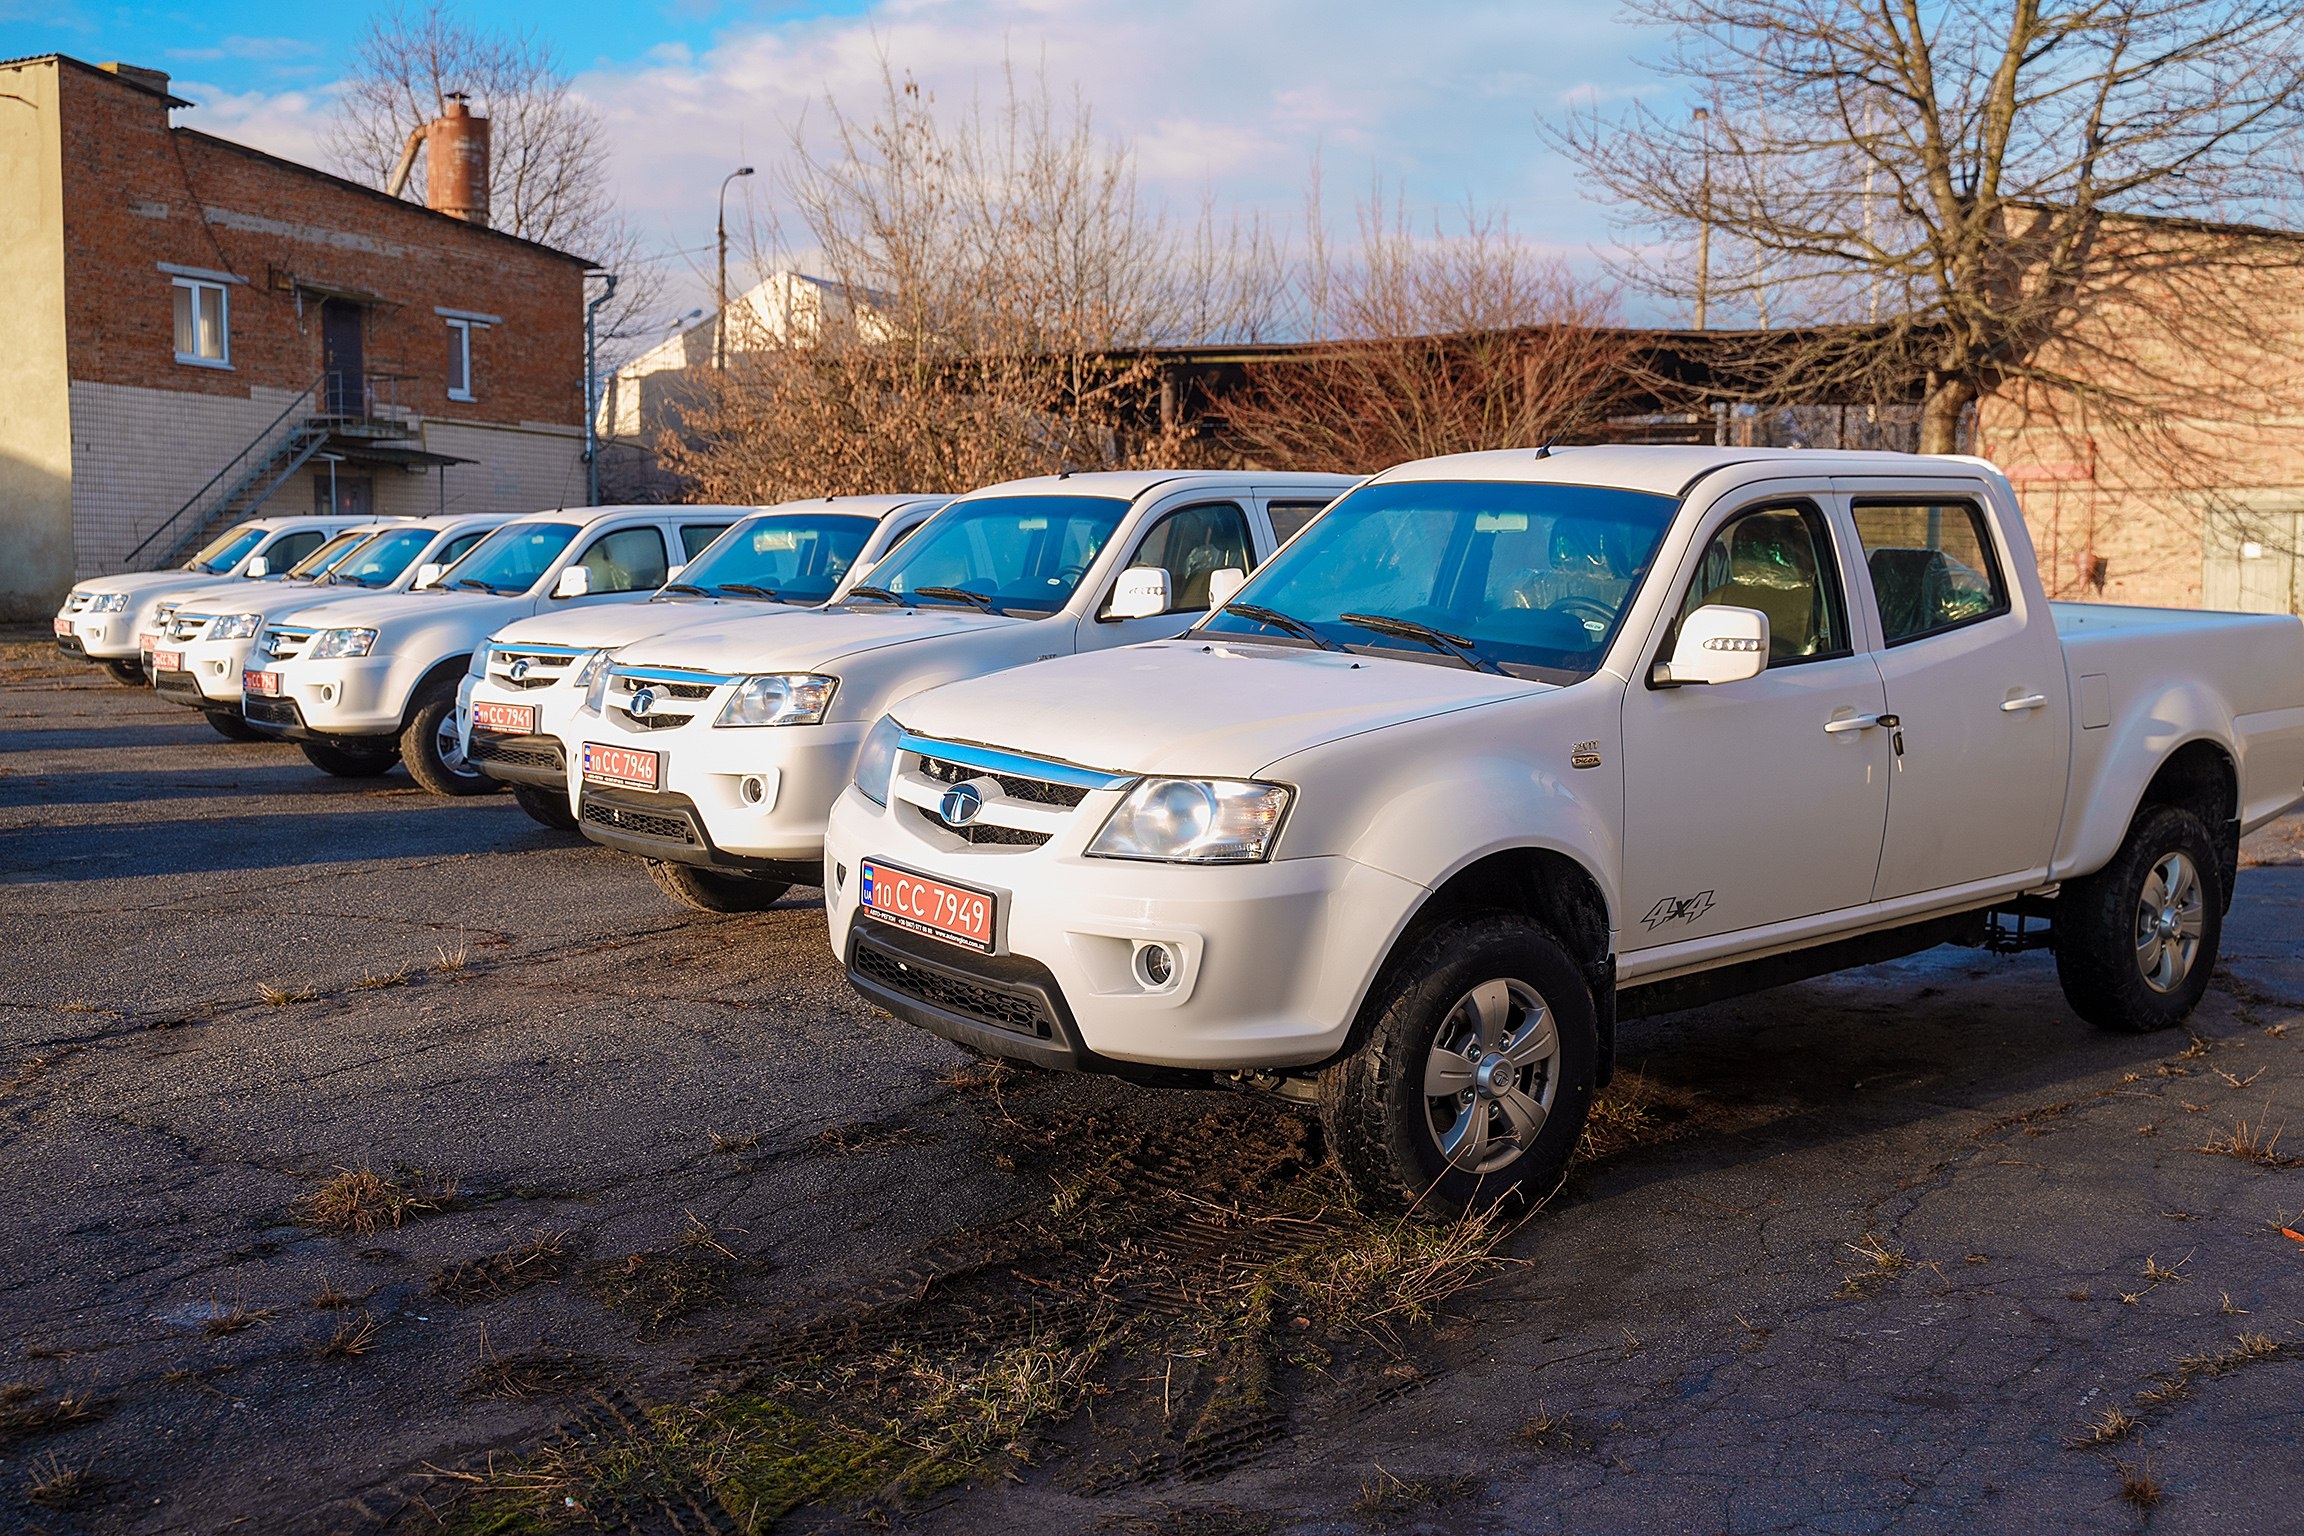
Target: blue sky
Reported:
point(1230, 100)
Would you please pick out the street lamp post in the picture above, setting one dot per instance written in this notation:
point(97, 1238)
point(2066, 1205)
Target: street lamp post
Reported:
point(720, 323)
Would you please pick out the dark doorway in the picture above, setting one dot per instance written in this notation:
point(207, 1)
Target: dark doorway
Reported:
point(355, 494)
point(342, 361)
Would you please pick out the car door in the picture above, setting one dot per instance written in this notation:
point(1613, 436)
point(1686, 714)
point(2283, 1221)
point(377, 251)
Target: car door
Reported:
point(1975, 681)
point(627, 563)
point(1762, 801)
point(1191, 542)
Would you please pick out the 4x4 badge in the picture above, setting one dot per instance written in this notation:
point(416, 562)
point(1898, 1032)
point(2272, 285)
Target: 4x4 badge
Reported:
point(1679, 909)
point(1586, 755)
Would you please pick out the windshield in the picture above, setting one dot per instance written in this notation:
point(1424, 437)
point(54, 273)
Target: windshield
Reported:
point(226, 552)
point(799, 557)
point(1017, 553)
point(327, 555)
point(1532, 579)
point(511, 558)
point(379, 562)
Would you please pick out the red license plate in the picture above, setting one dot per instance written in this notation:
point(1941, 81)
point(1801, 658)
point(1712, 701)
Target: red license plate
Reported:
point(167, 661)
point(620, 765)
point(952, 913)
point(146, 642)
point(63, 626)
point(511, 719)
point(265, 685)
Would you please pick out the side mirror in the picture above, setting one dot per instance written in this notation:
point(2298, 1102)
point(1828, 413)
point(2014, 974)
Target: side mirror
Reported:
point(429, 572)
point(575, 581)
point(1224, 584)
point(1141, 593)
point(259, 568)
point(673, 574)
point(1717, 644)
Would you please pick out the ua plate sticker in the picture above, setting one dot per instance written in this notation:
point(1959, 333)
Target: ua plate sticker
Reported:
point(952, 913)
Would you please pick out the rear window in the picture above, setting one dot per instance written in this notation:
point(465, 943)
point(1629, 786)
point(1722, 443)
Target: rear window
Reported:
point(1932, 566)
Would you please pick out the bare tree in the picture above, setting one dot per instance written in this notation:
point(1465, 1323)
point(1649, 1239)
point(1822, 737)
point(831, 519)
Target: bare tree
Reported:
point(1450, 342)
point(2017, 198)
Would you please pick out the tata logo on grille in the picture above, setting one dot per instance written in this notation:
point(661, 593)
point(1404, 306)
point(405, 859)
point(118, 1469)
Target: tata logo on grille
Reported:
point(961, 805)
point(519, 669)
point(642, 701)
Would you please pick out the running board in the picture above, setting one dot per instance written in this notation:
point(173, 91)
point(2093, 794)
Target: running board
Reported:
point(1749, 976)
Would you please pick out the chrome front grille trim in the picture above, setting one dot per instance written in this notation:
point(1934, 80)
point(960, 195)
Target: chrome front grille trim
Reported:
point(993, 760)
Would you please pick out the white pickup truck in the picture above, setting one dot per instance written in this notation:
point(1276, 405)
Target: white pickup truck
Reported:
point(105, 617)
point(1510, 746)
point(201, 643)
point(529, 679)
point(715, 753)
point(364, 684)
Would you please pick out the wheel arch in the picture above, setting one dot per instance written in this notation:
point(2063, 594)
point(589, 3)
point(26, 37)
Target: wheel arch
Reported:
point(451, 670)
point(2201, 776)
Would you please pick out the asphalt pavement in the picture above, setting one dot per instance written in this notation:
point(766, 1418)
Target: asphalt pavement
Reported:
point(1879, 1251)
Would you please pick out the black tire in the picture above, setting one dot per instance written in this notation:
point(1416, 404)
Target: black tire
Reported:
point(231, 727)
point(712, 890)
point(548, 806)
point(348, 762)
point(1382, 1125)
point(128, 674)
point(2134, 956)
point(429, 746)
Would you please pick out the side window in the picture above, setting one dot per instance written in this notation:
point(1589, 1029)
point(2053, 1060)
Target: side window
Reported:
point(1778, 560)
point(203, 323)
point(292, 547)
point(1289, 516)
point(694, 536)
point(1194, 544)
point(628, 560)
point(460, 360)
point(453, 551)
point(1932, 566)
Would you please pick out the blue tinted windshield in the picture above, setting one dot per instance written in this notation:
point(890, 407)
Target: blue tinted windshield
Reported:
point(379, 562)
point(798, 556)
point(1535, 578)
point(320, 560)
point(226, 552)
point(1021, 554)
point(511, 559)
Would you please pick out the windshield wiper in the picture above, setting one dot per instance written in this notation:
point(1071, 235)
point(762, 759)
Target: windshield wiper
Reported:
point(475, 585)
point(955, 594)
point(1440, 640)
point(683, 586)
point(749, 590)
point(1286, 623)
point(878, 594)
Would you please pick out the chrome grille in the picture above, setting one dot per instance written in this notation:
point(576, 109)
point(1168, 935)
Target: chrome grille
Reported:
point(78, 602)
point(536, 667)
point(661, 684)
point(983, 833)
point(286, 644)
point(186, 626)
point(1032, 791)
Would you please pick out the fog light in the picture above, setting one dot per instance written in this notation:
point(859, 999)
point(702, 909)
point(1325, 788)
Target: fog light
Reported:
point(1155, 966)
point(752, 789)
point(327, 693)
point(839, 877)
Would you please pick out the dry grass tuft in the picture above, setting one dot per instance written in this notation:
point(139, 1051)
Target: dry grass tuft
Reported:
point(729, 1146)
point(329, 1299)
point(542, 1258)
point(2111, 1425)
point(2252, 1143)
point(1874, 1262)
point(1399, 1271)
point(361, 1200)
point(1389, 1494)
point(865, 1136)
point(55, 1484)
point(2137, 1484)
point(223, 1321)
point(27, 1409)
point(281, 997)
point(2160, 1274)
point(663, 1285)
point(449, 961)
point(82, 1005)
point(1549, 1431)
point(378, 980)
point(354, 1336)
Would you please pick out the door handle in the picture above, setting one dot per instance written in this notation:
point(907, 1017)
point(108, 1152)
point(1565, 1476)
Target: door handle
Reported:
point(1853, 723)
point(2029, 701)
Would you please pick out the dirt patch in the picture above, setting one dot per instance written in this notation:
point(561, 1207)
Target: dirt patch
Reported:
point(539, 1260)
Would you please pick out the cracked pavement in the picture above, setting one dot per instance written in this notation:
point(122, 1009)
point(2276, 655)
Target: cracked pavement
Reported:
point(1877, 1249)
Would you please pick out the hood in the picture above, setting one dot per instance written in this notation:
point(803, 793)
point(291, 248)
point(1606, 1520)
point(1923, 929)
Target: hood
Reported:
point(809, 638)
point(265, 598)
point(156, 583)
point(1194, 707)
point(376, 610)
point(610, 625)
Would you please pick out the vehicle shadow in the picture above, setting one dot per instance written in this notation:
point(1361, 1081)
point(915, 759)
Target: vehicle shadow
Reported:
point(206, 845)
point(126, 786)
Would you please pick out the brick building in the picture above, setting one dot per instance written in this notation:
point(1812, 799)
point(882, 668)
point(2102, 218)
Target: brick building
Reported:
point(201, 330)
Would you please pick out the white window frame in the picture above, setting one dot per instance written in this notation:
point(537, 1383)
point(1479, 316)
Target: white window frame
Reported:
point(460, 351)
point(223, 292)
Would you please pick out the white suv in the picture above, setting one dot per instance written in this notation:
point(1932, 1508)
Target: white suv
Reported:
point(363, 684)
point(529, 679)
point(714, 753)
point(200, 649)
point(104, 617)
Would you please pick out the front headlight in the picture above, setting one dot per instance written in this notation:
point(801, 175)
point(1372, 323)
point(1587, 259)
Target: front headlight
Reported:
point(336, 644)
point(236, 626)
point(478, 665)
point(780, 698)
point(594, 669)
point(876, 759)
point(109, 602)
point(1194, 821)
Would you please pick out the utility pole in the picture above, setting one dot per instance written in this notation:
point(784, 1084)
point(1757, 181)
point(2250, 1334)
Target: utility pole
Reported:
point(592, 389)
point(720, 322)
point(1703, 117)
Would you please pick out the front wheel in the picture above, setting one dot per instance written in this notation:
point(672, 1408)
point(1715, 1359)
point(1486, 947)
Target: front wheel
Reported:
point(2137, 940)
point(128, 674)
point(548, 806)
point(348, 762)
point(434, 751)
point(712, 890)
point(1477, 1073)
point(231, 727)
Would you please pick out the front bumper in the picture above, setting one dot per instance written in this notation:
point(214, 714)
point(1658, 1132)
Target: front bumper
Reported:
point(211, 670)
point(656, 825)
point(1271, 960)
point(537, 760)
point(348, 697)
point(538, 756)
point(799, 770)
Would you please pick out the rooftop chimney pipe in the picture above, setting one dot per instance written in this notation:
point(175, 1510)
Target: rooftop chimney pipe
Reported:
point(456, 163)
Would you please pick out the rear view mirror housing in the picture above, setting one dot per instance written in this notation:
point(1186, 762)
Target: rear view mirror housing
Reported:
point(429, 573)
point(1717, 644)
point(259, 568)
point(1142, 592)
point(1224, 584)
point(673, 574)
point(574, 581)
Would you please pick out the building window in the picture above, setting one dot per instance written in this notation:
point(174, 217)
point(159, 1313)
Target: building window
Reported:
point(460, 360)
point(203, 324)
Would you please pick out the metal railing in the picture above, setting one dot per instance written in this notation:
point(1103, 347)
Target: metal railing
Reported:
point(239, 471)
